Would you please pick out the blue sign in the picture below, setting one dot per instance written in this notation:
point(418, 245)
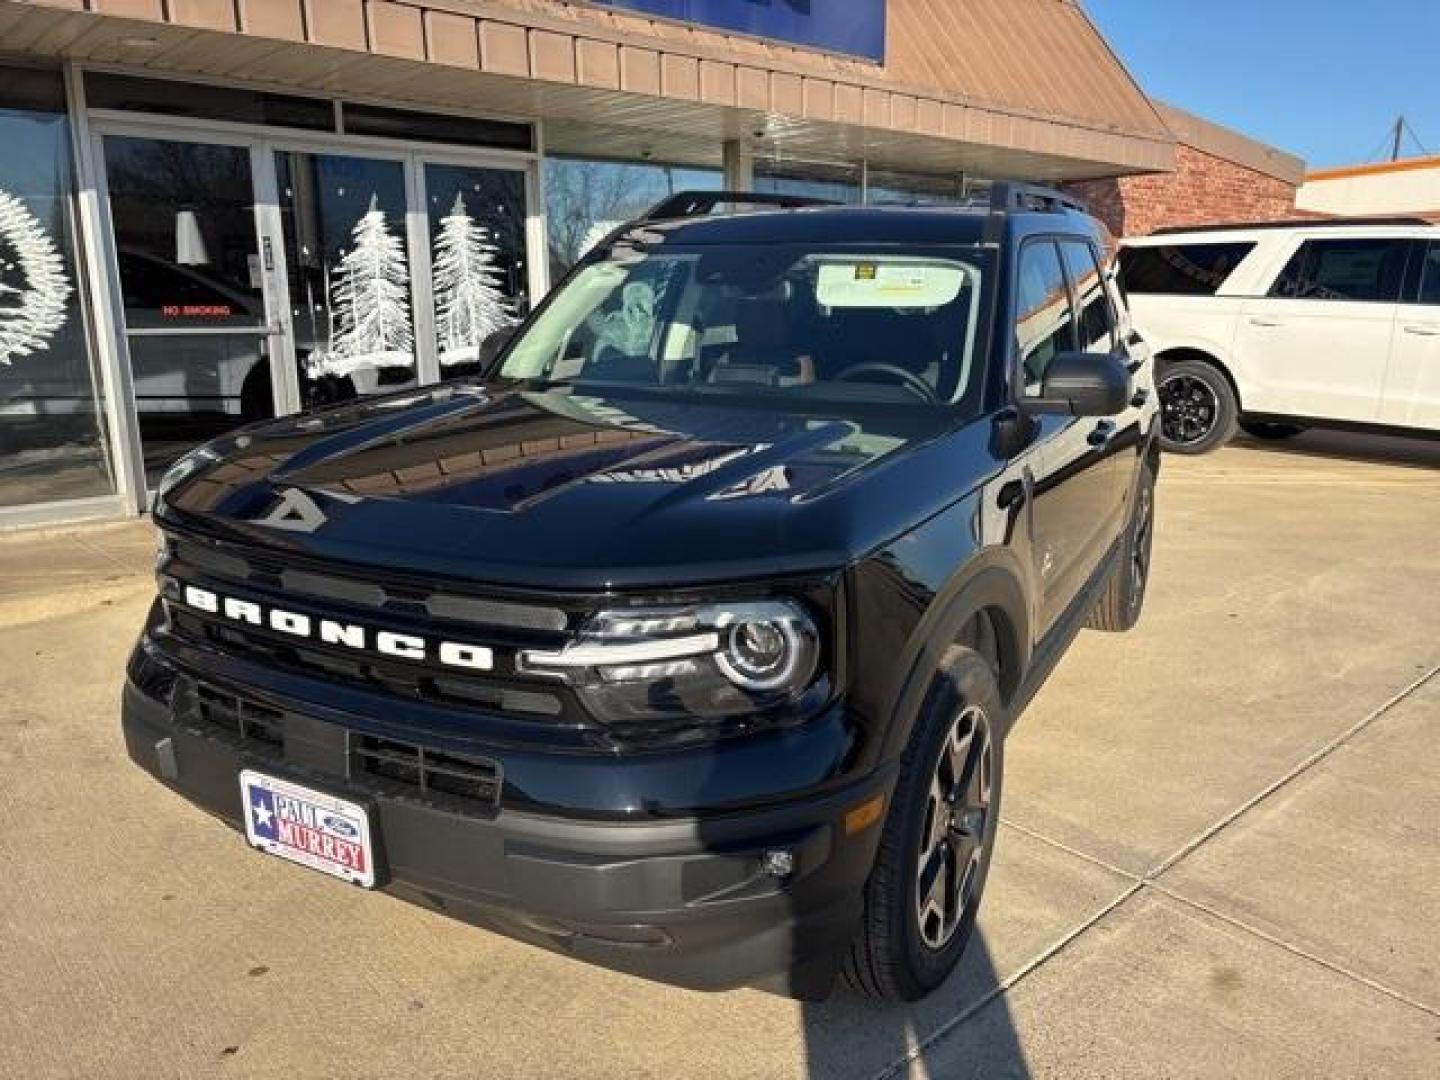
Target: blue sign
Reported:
point(854, 27)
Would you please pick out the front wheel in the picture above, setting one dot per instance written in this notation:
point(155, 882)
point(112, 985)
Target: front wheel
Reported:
point(924, 891)
point(1198, 410)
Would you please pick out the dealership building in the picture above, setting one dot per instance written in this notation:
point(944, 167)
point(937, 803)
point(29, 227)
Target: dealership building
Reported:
point(215, 211)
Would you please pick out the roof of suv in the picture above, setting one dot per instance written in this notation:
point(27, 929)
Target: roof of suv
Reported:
point(1230, 232)
point(787, 220)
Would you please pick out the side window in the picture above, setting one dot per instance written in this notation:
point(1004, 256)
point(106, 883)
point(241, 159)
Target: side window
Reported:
point(1430, 276)
point(1180, 269)
point(1097, 320)
point(1044, 324)
point(1356, 270)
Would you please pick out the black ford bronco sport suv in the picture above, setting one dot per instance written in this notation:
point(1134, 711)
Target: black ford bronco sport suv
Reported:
point(685, 639)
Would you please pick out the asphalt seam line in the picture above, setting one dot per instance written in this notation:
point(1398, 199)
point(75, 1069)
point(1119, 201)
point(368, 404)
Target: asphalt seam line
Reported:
point(1140, 883)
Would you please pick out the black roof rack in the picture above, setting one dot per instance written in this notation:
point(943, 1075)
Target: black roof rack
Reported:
point(688, 204)
point(1007, 196)
point(1293, 223)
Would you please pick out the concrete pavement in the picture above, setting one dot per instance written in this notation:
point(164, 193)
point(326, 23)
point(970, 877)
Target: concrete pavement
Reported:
point(1221, 853)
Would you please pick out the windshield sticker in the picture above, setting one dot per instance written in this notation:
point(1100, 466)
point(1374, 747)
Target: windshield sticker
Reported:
point(870, 284)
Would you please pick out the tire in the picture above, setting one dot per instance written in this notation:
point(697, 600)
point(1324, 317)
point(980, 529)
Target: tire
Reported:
point(1198, 410)
point(898, 952)
point(1270, 431)
point(1119, 607)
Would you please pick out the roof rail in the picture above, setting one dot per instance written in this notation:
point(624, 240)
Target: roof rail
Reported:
point(1294, 223)
point(688, 204)
point(1010, 195)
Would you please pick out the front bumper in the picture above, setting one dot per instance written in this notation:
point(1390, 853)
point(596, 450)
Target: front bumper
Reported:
point(679, 900)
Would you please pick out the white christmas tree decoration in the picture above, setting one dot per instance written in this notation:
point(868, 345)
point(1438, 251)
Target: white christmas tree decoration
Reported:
point(469, 302)
point(371, 291)
point(30, 312)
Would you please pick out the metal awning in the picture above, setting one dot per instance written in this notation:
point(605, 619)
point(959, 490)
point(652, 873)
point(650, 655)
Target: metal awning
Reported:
point(987, 87)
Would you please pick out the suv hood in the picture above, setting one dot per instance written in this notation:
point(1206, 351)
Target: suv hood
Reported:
point(566, 489)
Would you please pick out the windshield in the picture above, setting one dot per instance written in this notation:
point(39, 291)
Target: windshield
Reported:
point(771, 319)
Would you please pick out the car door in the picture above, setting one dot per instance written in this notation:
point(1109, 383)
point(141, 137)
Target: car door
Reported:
point(1073, 488)
point(1411, 397)
point(1318, 343)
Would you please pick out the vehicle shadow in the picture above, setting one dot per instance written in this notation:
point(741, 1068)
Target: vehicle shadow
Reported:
point(1416, 452)
point(962, 1030)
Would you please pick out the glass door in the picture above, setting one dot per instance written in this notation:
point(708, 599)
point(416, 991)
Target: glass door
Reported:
point(348, 273)
point(197, 326)
point(477, 219)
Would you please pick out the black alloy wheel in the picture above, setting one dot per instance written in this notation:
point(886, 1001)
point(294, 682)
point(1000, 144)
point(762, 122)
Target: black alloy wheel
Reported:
point(957, 810)
point(1198, 408)
point(1187, 409)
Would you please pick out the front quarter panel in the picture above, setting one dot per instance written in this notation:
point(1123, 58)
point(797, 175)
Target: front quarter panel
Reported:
point(910, 600)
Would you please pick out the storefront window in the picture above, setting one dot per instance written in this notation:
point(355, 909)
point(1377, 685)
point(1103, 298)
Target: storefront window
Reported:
point(837, 183)
point(477, 250)
point(348, 258)
point(913, 189)
point(52, 443)
point(585, 200)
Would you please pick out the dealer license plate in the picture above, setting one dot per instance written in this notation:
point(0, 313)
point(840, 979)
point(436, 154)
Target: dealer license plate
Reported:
point(308, 827)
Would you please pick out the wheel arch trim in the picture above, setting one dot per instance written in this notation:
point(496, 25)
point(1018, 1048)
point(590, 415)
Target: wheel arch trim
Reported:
point(991, 582)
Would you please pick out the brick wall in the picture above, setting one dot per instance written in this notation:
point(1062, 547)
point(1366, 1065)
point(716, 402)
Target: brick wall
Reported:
point(1203, 190)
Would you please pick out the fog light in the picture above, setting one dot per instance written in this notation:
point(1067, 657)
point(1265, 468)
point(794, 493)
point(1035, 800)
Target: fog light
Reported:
point(778, 863)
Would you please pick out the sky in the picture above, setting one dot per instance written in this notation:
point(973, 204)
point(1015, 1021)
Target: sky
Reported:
point(1323, 79)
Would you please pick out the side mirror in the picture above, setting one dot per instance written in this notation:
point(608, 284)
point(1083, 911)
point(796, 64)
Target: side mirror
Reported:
point(1084, 384)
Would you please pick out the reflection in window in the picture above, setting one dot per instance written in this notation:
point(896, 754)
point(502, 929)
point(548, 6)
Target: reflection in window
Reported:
point(835, 183)
point(883, 187)
point(585, 200)
point(1097, 322)
point(1181, 269)
point(1364, 270)
point(52, 444)
point(1042, 328)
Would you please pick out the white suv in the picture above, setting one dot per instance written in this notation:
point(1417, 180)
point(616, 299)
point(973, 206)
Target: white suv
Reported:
point(1276, 328)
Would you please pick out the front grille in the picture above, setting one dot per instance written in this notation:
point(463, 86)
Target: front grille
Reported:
point(268, 571)
point(259, 728)
point(463, 783)
point(410, 681)
point(379, 601)
point(434, 775)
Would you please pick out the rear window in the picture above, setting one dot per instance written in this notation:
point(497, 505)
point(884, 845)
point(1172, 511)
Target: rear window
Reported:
point(1180, 269)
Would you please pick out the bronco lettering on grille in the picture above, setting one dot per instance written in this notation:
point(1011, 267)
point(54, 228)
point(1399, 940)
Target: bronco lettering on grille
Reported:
point(355, 636)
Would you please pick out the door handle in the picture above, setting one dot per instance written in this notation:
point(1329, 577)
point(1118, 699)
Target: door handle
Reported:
point(1424, 330)
point(1255, 320)
point(1103, 433)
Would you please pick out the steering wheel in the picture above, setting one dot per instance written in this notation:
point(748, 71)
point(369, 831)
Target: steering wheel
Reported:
point(909, 380)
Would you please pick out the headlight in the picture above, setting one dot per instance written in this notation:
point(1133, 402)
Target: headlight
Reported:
point(705, 662)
